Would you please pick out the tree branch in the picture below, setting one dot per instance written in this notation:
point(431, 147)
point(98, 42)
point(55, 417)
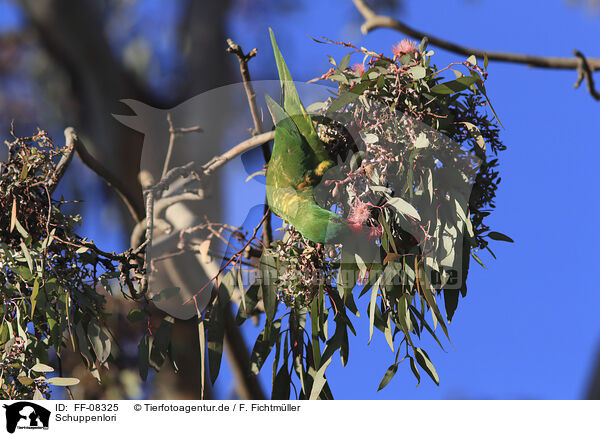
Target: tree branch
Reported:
point(203, 170)
point(258, 127)
point(248, 385)
point(374, 21)
point(173, 133)
point(215, 163)
point(584, 71)
point(243, 60)
point(73, 140)
point(62, 165)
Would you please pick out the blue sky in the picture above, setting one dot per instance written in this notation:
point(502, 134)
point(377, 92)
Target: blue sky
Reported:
point(529, 325)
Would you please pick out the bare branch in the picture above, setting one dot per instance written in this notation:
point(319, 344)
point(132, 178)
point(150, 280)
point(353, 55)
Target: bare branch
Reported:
point(258, 127)
point(91, 162)
point(62, 165)
point(584, 71)
point(212, 165)
point(374, 21)
point(243, 60)
point(242, 147)
point(173, 133)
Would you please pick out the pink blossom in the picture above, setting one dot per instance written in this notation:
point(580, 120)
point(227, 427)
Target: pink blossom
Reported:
point(404, 47)
point(359, 69)
point(359, 214)
point(375, 232)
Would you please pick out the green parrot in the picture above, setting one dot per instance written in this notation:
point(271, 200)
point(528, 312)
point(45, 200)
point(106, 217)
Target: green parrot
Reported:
point(298, 162)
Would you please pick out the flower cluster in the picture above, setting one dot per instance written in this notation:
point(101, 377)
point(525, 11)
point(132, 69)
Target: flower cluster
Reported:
point(48, 273)
point(304, 268)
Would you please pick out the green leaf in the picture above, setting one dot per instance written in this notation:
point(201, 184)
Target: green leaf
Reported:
point(347, 97)
point(415, 370)
point(404, 318)
point(425, 363)
point(372, 306)
point(161, 341)
point(202, 343)
point(25, 381)
point(389, 374)
point(481, 88)
point(424, 324)
point(100, 341)
point(369, 138)
point(143, 356)
point(430, 298)
point(417, 72)
point(23, 272)
point(251, 297)
point(40, 367)
point(454, 86)
point(263, 347)
point(34, 295)
point(281, 384)
point(319, 381)
point(4, 333)
point(20, 229)
point(388, 333)
point(268, 271)
point(450, 302)
point(497, 236)
point(215, 334)
point(20, 331)
point(344, 62)
point(24, 171)
point(63, 381)
point(478, 260)
point(27, 255)
point(314, 322)
point(315, 107)
point(476, 133)
point(403, 207)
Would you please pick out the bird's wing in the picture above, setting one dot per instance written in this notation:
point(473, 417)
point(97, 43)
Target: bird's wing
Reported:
point(292, 158)
point(294, 107)
point(291, 165)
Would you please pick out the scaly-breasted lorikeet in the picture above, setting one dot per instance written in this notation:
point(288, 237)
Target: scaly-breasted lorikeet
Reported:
point(298, 162)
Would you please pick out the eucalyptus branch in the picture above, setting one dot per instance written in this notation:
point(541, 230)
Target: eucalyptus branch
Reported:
point(374, 21)
point(258, 127)
point(213, 164)
point(194, 168)
point(62, 165)
point(585, 71)
point(173, 133)
point(245, 72)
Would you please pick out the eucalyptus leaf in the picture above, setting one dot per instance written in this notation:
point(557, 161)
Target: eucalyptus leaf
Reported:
point(40, 367)
point(387, 377)
point(497, 236)
point(63, 381)
point(424, 362)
